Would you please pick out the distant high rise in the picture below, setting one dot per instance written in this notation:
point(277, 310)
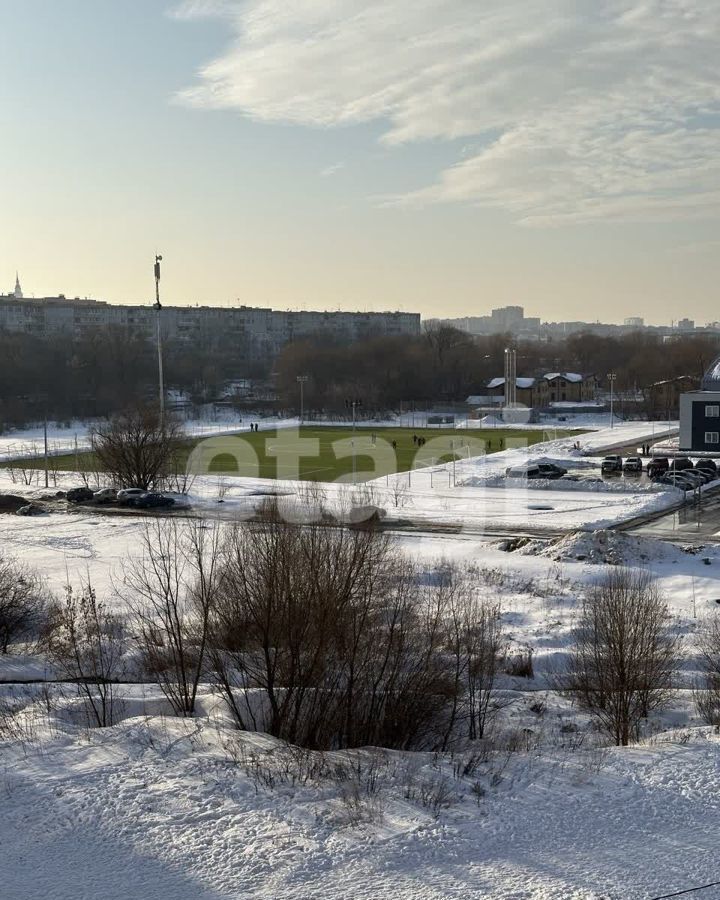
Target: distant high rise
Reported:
point(17, 293)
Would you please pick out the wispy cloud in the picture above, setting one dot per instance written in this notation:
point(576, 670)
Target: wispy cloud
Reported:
point(332, 170)
point(598, 109)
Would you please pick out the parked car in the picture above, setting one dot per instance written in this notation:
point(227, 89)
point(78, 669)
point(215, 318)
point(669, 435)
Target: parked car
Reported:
point(680, 480)
point(30, 509)
point(658, 466)
point(705, 475)
point(681, 464)
point(695, 477)
point(150, 500)
point(633, 465)
point(707, 465)
point(551, 470)
point(127, 494)
point(105, 495)
point(531, 470)
point(611, 465)
point(79, 495)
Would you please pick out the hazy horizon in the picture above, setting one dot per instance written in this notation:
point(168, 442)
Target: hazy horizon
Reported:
point(438, 157)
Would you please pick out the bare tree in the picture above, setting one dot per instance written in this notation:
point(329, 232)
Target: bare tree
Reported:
point(173, 587)
point(706, 692)
point(320, 637)
point(88, 645)
point(23, 602)
point(621, 664)
point(476, 646)
point(137, 448)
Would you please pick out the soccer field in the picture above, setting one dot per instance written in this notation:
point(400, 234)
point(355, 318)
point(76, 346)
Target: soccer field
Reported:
point(326, 453)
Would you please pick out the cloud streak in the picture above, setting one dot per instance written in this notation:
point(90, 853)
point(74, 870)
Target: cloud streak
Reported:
point(578, 110)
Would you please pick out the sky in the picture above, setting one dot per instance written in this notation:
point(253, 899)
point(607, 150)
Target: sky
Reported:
point(439, 156)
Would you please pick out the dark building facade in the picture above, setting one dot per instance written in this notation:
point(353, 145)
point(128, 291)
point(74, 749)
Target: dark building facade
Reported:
point(700, 415)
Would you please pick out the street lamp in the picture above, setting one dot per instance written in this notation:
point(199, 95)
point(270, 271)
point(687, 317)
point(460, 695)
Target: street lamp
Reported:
point(611, 378)
point(353, 404)
point(157, 307)
point(301, 380)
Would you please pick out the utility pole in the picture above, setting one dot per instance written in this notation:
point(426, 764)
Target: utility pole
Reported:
point(301, 380)
point(353, 404)
point(611, 377)
point(158, 307)
point(45, 441)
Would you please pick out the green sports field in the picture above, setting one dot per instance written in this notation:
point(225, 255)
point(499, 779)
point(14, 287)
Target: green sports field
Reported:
point(326, 453)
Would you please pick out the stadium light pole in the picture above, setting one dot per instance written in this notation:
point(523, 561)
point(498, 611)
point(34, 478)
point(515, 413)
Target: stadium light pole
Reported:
point(353, 404)
point(301, 380)
point(157, 307)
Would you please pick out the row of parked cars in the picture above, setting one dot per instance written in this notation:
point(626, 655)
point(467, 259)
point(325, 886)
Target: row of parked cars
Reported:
point(135, 497)
point(680, 471)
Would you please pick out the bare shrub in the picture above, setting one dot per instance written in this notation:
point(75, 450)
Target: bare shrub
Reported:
point(23, 603)
point(173, 586)
point(177, 477)
point(520, 664)
point(19, 722)
point(436, 792)
point(324, 626)
point(621, 664)
point(475, 642)
point(706, 697)
point(88, 644)
point(136, 449)
point(706, 692)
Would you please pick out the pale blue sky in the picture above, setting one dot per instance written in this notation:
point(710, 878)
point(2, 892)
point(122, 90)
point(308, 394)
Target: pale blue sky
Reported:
point(445, 156)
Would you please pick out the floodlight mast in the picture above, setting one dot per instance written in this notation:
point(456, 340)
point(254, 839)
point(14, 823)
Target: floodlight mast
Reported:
point(301, 380)
point(158, 307)
point(353, 404)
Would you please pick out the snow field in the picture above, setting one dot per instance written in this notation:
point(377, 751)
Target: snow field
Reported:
point(158, 807)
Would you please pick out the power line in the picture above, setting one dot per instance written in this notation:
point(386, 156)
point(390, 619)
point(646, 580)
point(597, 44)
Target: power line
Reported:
point(701, 887)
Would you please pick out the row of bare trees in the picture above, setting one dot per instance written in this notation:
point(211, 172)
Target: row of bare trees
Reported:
point(322, 636)
point(330, 637)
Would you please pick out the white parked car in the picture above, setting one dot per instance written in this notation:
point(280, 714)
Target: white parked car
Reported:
point(105, 495)
point(127, 494)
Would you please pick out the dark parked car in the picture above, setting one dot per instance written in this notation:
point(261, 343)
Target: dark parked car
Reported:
point(683, 480)
point(150, 501)
point(79, 495)
point(551, 470)
point(707, 465)
point(681, 464)
point(530, 470)
point(657, 466)
point(536, 470)
point(611, 465)
point(633, 465)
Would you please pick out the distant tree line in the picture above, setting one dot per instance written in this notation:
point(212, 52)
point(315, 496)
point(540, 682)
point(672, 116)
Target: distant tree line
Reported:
point(110, 370)
point(105, 372)
point(448, 365)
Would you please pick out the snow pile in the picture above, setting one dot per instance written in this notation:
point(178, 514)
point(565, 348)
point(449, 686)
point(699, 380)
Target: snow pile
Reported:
point(489, 422)
point(602, 546)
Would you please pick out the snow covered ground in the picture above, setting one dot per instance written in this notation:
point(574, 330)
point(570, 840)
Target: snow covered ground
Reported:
point(156, 807)
point(482, 501)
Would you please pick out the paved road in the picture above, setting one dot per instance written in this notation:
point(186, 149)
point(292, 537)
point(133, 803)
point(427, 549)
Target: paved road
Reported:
point(693, 524)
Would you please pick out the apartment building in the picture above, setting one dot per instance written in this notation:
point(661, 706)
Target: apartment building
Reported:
point(262, 331)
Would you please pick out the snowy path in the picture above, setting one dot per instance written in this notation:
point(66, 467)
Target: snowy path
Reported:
point(118, 817)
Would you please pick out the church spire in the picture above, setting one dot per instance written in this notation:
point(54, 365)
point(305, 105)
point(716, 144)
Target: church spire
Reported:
point(18, 289)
